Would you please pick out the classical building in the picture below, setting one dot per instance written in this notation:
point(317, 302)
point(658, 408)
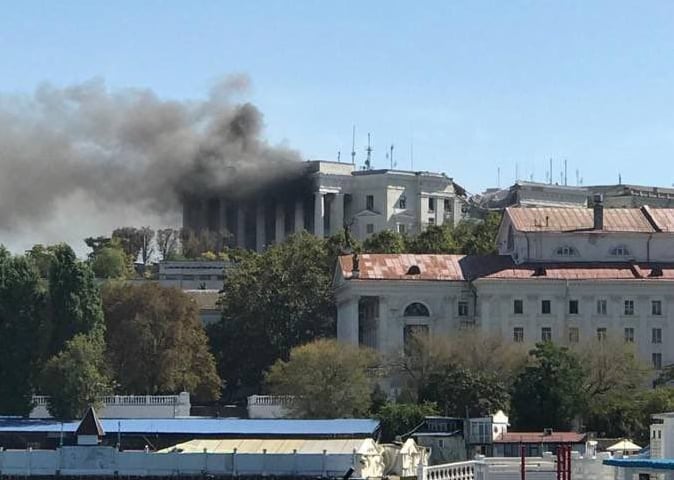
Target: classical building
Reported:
point(367, 201)
point(562, 274)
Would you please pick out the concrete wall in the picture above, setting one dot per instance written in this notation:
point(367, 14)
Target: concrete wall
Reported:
point(130, 406)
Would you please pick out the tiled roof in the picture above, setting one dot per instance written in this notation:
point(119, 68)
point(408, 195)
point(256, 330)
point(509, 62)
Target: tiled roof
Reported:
point(468, 268)
point(540, 437)
point(572, 219)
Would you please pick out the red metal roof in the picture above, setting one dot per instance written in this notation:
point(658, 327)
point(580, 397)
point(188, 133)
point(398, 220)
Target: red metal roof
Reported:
point(540, 437)
point(572, 219)
point(468, 268)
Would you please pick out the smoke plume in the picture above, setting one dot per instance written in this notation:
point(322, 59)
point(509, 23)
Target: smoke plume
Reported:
point(85, 156)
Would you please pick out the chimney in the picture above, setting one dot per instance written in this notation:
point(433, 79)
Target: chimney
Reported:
point(598, 202)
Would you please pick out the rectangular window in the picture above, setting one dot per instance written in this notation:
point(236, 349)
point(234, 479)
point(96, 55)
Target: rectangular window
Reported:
point(431, 204)
point(656, 335)
point(518, 334)
point(629, 307)
point(369, 202)
point(402, 228)
point(546, 308)
point(463, 309)
point(573, 307)
point(431, 221)
point(574, 335)
point(369, 228)
point(601, 334)
point(629, 335)
point(602, 307)
point(656, 307)
point(448, 205)
point(657, 361)
point(518, 307)
point(402, 202)
point(546, 334)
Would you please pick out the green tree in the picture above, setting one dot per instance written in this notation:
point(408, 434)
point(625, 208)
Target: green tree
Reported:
point(74, 299)
point(271, 303)
point(110, 262)
point(400, 418)
point(76, 377)
point(167, 242)
point(434, 239)
point(131, 240)
point(159, 329)
point(459, 392)
point(478, 238)
point(96, 244)
point(22, 323)
point(328, 379)
point(41, 257)
point(385, 241)
point(549, 392)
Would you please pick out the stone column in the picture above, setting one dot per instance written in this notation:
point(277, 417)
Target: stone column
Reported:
point(280, 230)
point(382, 326)
point(347, 321)
point(240, 227)
point(337, 214)
point(319, 213)
point(439, 211)
point(260, 232)
point(299, 216)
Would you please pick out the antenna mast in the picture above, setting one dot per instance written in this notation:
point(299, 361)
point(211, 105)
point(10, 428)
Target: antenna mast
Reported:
point(566, 178)
point(353, 146)
point(393, 164)
point(550, 170)
point(368, 159)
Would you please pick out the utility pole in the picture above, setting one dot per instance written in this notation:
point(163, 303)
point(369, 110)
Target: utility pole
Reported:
point(368, 159)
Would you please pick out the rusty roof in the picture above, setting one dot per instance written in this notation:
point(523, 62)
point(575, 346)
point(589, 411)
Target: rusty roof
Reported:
point(540, 437)
point(532, 219)
point(494, 267)
point(663, 218)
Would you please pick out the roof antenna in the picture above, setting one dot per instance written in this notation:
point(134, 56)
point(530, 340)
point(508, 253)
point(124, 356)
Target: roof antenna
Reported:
point(566, 178)
point(620, 179)
point(368, 159)
point(498, 177)
point(393, 163)
point(339, 156)
point(550, 170)
point(353, 146)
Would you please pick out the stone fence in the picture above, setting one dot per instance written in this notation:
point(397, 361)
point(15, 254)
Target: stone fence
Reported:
point(129, 406)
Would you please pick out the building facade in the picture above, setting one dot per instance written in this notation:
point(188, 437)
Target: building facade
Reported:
point(365, 201)
point(563, 275)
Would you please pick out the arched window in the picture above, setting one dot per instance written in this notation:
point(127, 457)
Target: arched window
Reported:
point(566, 251)
point(414, 270)
point(620, 251)
point(417, 310)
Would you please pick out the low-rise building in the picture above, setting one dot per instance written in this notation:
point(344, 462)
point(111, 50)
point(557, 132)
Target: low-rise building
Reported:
point(510, 444)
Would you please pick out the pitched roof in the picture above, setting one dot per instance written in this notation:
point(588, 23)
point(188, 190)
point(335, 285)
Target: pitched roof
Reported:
point(471, 267)
point(540, 437)
point(561, 219)
point(90, 425)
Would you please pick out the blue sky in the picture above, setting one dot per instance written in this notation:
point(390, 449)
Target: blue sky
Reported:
point(475, 85)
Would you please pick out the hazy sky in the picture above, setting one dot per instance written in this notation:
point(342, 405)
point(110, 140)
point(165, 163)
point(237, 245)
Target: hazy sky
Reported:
point(475, 85)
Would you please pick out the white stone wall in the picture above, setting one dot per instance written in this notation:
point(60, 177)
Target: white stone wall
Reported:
point(130, 406)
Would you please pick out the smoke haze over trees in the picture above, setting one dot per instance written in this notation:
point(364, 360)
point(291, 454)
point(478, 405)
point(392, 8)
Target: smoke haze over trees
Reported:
point(104, 156)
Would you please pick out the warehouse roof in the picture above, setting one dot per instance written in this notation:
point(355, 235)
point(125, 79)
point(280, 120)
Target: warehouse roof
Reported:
point(276, 445)
point(207, 427)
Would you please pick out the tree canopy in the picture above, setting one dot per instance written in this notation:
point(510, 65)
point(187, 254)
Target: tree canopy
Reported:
point(156, 343)
point(328, 379)
point(401, 418)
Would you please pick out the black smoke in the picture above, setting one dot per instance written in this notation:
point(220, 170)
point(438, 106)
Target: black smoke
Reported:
point(86, 150)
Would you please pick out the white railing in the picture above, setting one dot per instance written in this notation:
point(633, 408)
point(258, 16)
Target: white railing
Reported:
point(271, 400)
point(471, 470)
point(129, 406)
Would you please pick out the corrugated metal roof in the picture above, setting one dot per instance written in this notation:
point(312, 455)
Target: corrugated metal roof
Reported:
point(663, 218)
point(472, 267)
point(281, 445)
point(560, 219)
point(206, 426)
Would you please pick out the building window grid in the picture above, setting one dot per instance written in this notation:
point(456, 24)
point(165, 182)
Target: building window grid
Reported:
point(629, 307)
point(601, 334)
point(402, 202)
point(518, 306)
point(656, 307)
point(546, 334)
point(518, 334)
point(574, 335)
point(602, 307)
point(463, 309)
point(657, 361)
point(546, 307)
point(431, 204)
point(573, 307)
point(629, 335)
point(369, 202)
point(656, 335)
